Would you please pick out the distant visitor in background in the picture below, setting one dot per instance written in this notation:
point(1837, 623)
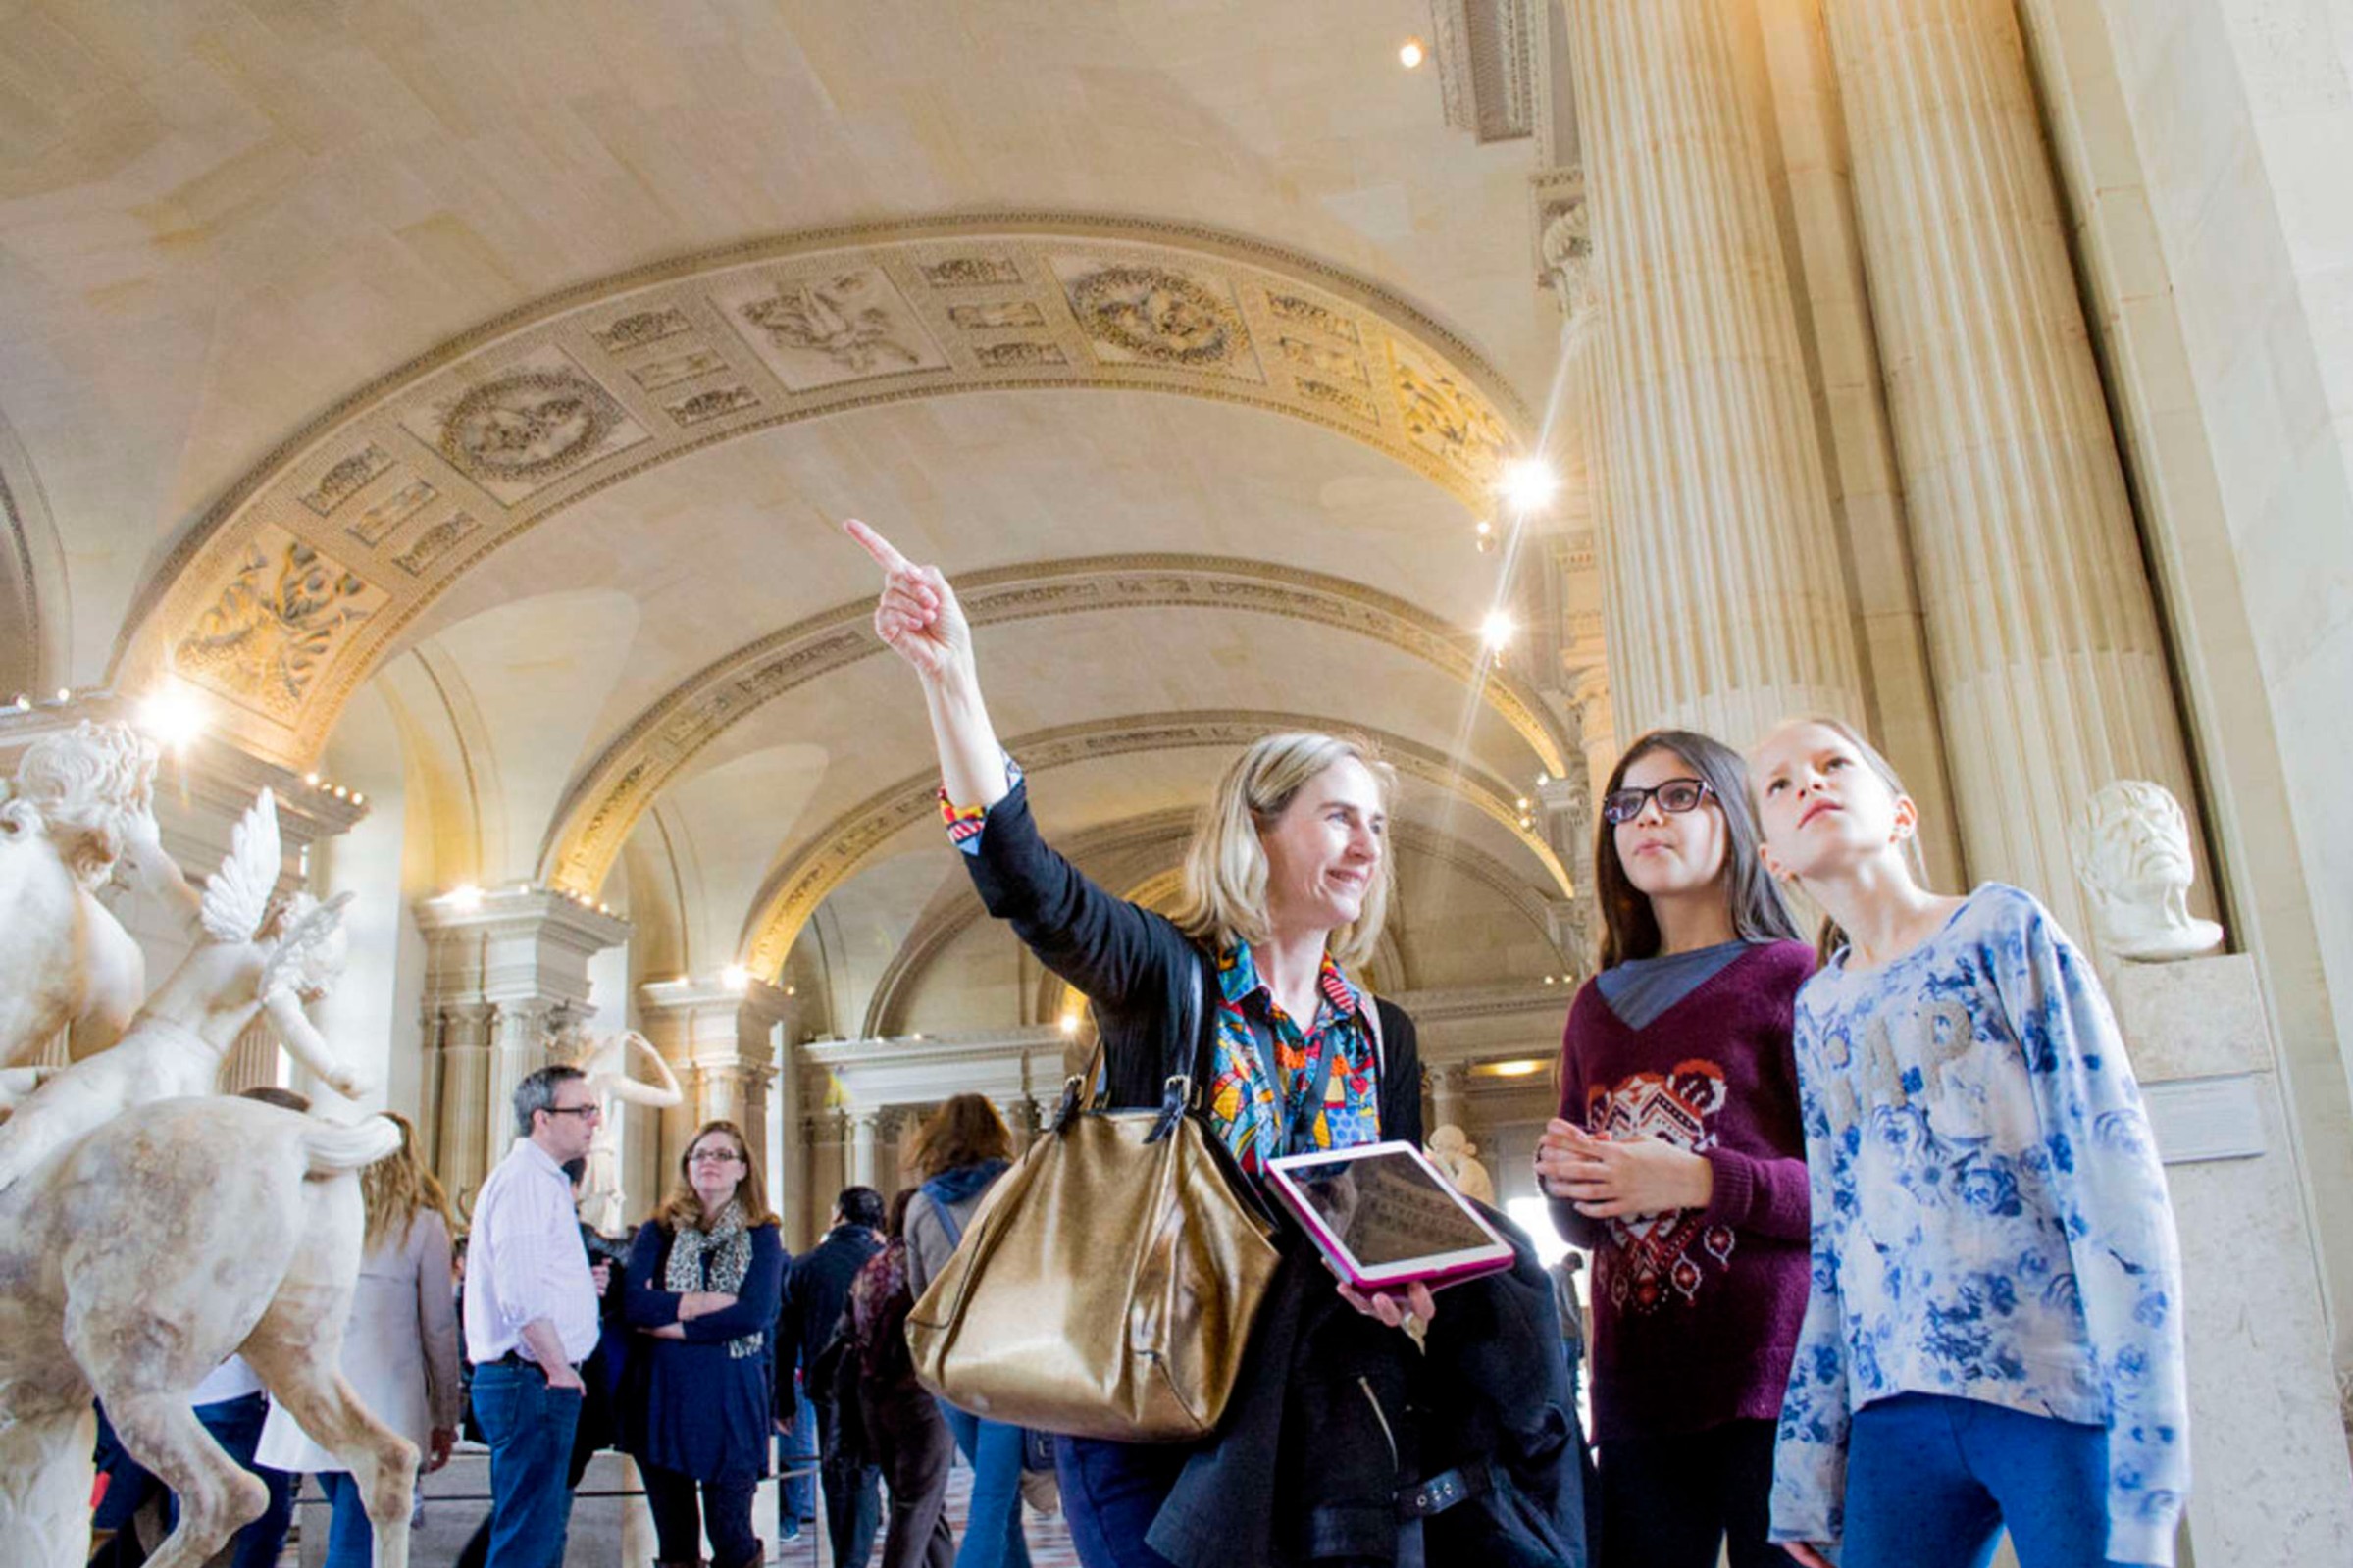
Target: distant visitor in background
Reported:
point(1564, 1271)
point(705, 1277)
point(961, 1153)
point(1994, 1338)
point(808, 1327)
point(905, 1433)
point(1678, 1162)
point(401, 1345)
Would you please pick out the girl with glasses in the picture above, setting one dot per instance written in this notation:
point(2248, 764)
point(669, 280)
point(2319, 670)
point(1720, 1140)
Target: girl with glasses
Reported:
point(1678, 1162)
point(704, 1276)
point(1994, 1338)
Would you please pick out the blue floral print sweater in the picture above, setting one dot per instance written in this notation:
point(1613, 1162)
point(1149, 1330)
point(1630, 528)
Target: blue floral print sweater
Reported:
point(1990, 1219)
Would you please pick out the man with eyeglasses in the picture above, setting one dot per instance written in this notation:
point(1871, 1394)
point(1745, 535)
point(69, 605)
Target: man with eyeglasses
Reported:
point(530, 1317)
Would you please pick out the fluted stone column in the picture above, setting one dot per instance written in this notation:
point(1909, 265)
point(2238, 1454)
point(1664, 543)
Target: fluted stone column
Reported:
point(863, 1129)
point(1727, 609)
point(719, 1038)
point(1445, 1095)
point(463, 1131)
point(2049, 665)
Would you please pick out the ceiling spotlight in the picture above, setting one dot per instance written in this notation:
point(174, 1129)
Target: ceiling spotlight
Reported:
point(1411, 53)
point(465, 898)
point(1498, 630)
point(1529, 485)
point(1070, 1023)
point(173, 715)
point(736, 978)
point(1542, 778)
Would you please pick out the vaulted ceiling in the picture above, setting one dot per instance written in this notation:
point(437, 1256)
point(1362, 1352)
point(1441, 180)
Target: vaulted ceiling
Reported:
point(504, 370)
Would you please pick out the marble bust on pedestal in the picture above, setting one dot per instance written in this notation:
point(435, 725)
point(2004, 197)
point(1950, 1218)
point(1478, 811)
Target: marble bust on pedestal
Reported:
point(2132, 857)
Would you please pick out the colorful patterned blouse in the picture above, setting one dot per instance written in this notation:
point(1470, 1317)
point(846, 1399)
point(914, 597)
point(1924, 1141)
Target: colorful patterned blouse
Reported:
point(1241, 1103)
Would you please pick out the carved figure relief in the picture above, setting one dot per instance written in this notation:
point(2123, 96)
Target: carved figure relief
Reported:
point(1318, 317)
point(641, 328)
point(847, 327)
point(971, 272)
point(528, 428)
point(1356, 403)
point(434, 543)
point(1337, 362)
point(347, 478)
point(997, 355)
point(1446, 417)
point(711, 405)
point(378, 523)
point(1155, 316)
point(275, 625)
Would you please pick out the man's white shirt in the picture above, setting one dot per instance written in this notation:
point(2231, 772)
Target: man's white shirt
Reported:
point(523, 1261)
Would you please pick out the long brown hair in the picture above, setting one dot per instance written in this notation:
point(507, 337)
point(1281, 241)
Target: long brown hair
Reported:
point(395, 1188)
point(1629, 926)
point(682, 1209)
point(963, 1132)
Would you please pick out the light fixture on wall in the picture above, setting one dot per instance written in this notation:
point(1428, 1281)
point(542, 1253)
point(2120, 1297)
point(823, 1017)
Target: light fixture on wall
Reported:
point(736, 978)
point(465, 898)
point(1070, 1023)
point(1524, 1067)
point(173, 714)
point(1496, 629)
point(1529, 485)
point(1411, 53)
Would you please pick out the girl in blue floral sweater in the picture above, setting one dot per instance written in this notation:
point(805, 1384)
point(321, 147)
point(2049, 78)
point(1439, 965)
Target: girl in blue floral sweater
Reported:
point(1994, 1333)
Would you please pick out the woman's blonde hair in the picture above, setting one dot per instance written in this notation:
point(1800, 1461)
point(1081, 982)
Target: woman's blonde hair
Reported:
point(395, 1188)
point(1831, 938)
point(964, 1131)
point(1225, 866)
point(683, 1205)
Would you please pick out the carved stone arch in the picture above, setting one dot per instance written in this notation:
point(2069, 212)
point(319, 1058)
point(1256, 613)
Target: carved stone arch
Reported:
point(605, 799)
point(835, 852)
point(289, 591)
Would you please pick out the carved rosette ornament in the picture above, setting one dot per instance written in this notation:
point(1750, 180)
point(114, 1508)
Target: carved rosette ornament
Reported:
point(528, 426)
point(1159, 316)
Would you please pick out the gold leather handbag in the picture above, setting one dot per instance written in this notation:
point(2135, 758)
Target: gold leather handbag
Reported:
point(1106, 1287)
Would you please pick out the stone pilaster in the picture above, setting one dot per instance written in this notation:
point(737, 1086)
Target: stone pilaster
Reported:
point(719, 1038)
point(1727, 609)
point(2049, 665)
point(503, 969)
point(1447, 1083)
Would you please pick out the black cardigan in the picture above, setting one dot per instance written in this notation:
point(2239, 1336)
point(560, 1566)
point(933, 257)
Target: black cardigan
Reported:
point(1137, 967)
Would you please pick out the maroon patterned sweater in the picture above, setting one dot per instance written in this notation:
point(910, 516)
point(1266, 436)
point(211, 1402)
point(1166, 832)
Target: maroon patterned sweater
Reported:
point(1696, 1312)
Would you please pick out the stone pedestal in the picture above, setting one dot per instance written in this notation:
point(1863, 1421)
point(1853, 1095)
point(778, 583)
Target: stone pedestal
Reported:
point(2271, 1486)
point(2050, 669)
point(1726, 608)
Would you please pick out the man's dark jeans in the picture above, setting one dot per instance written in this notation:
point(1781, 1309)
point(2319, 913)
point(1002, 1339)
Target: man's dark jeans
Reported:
point(853, 1489)
point(528, 1428)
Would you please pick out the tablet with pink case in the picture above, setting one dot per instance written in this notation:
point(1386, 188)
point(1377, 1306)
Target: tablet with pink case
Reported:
point(1385, 1217)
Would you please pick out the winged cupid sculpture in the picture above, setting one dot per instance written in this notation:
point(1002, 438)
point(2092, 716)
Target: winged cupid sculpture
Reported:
point(255, 955)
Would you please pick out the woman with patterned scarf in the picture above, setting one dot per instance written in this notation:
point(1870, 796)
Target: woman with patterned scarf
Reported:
point(704, 1275)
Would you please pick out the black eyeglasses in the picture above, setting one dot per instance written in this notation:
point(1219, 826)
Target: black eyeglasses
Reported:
point(1675, 796)
point(714, 1156)
point(574, 1110)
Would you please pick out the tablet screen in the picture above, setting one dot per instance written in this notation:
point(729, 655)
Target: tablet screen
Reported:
point(1388, 1208)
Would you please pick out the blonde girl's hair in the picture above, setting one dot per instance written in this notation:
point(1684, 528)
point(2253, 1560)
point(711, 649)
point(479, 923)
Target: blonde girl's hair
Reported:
point(683, 1205)
point(1225, 866)
point(397, 1188)
point(1831, 936)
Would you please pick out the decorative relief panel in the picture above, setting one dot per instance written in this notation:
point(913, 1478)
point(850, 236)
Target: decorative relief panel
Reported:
point(671, 369)
point(534, 410)
point(843, 325)
point(639, 328)
point(347, 478)
point(434, 543)
point(1147, 315)
point(525, 427)
point(713, 404)
point(376, 524)
point(275, 623)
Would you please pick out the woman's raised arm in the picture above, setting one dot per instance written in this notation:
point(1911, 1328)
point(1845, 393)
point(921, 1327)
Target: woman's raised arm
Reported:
point(919, 617)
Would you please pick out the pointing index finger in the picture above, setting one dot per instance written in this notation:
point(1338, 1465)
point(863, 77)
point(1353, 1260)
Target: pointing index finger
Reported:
point(885, 553)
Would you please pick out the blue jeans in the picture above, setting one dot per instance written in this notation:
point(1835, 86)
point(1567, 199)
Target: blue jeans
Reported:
point(350, 1539)
point(796, 1497)
point(1111, 1492)
point(993, 1536)
point(528, 1428)
point(236, 1426)
point(1932, 1479)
